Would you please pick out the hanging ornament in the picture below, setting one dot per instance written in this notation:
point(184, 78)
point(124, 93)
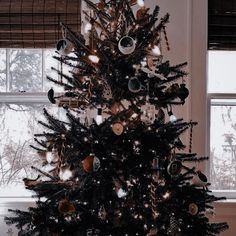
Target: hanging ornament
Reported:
point(98, 117)
point(66, 207)
point(148, 113)
point(199, 180)
point(126, 45)
point(153, 232)
point(134, 85)
point(51, 96)
point(106, 93)
point(64, 46)
point(91, 163)
point(174, 168)
point(115, 108)
point(142, 15)
point(117, 128)
point(183, 92)
point(32, 182)
point(136, 147)
point(121, 193)
point(193, 209)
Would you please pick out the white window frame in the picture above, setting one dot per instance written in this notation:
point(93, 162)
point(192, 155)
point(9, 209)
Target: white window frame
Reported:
point(23, 98)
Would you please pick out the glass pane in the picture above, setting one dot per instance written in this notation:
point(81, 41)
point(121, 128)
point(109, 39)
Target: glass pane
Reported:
point(25, 70)
point(49, 63)
point(221, 71)
point(223, 146)
point(18, 124)
point(2, 70)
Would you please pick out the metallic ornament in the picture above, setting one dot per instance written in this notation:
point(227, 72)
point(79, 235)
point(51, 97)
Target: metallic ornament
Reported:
point(193, 209)
point(64, 47)
point(199, 180)
point(126, 45)
point(174, 168)
point(66, 207)
point(91, 163)
point(134, 85)
point(117, 128)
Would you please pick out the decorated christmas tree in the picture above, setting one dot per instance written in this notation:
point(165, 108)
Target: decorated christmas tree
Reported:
point(126, 172)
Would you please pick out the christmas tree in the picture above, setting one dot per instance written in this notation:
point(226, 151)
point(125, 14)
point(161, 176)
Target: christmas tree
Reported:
point(126, 172)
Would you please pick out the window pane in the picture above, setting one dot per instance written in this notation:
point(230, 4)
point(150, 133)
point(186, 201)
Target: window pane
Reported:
point(223, 145)
point(18, 124)
point(2, 70)
point(221, 71)
point(25, 70)
point(49, 63)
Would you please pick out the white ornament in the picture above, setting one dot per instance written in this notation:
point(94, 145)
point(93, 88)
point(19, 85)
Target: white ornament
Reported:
point(98, 117)
point(126, 45)
point(96, 164)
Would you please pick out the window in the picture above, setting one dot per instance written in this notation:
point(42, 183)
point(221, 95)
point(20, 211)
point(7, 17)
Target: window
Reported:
point(222, 119)
point(23, 87)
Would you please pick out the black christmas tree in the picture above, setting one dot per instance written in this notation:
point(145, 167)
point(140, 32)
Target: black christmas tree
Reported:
point(128, 173)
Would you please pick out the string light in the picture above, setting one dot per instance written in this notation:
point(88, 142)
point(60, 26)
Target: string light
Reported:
point(94, 58)
point(140, 3)
point(156, 50)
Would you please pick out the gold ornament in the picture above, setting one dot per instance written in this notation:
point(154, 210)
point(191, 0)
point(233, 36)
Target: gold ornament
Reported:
point(117, 128)
point(66, 207)
point(91, 163)
point(193, 209)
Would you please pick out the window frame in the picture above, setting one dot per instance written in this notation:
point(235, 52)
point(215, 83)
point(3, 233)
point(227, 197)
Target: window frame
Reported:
point(24, 98)
point(211, 96)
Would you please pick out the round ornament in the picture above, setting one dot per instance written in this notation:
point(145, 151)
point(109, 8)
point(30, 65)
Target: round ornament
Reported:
point(66, 207)
point(117, 128)
point(126, 45)
point(183, 92)
point(115, 108)
point(51, 96)
point(134, 85)
point(174, 168)
point(91, 163)
point(193, 209)
point(199, 180)
point(64, 46)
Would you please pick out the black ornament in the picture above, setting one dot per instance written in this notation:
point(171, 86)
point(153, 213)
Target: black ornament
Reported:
point(183, 92)
point(126, 45)
point(51, 96)
point(134, 85)
point(174, 168)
